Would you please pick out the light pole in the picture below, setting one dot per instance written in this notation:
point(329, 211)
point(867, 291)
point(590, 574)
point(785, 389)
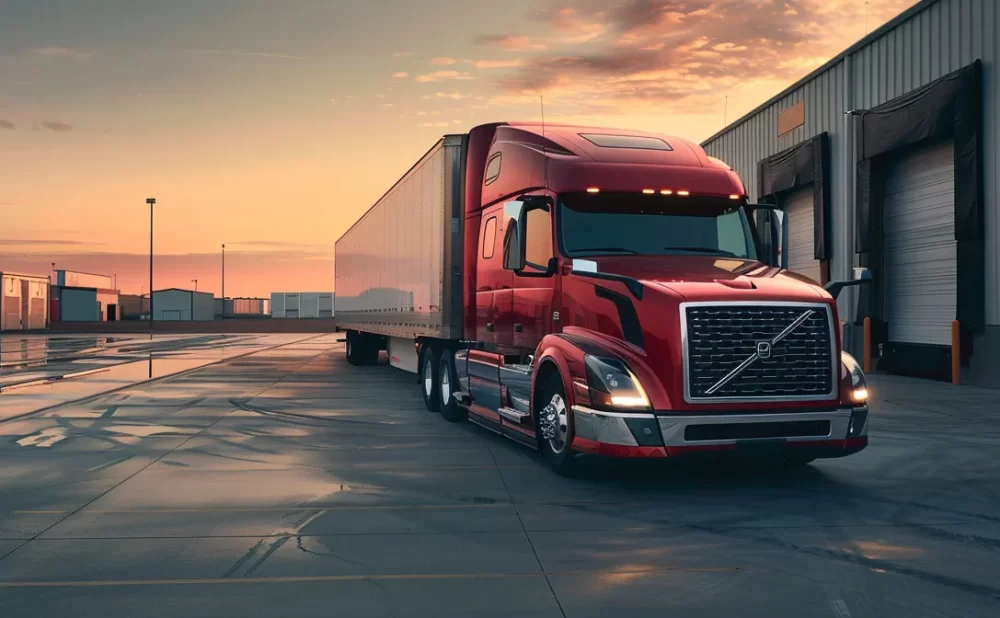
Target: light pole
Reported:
point(223, 280)
point(150, 201)
point(195, 282)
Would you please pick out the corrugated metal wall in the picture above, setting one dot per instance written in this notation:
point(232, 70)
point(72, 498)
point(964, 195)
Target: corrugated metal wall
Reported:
point(943, 36)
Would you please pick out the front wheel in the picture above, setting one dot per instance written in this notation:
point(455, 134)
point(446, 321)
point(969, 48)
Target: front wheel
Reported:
point(555, 427)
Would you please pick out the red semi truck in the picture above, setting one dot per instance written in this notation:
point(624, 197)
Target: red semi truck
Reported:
point(585, 290)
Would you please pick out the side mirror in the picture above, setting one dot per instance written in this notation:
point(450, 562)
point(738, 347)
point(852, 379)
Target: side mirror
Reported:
point(771, 233)
point(513, 241)
point(861, 277)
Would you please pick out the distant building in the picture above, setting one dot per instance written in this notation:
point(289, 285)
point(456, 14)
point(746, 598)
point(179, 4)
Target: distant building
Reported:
point(24, 302)
point(84, 297)
point(301, 305)
point(175, 304)
point(243, 307)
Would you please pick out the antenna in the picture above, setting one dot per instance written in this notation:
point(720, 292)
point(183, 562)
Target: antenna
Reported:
point(545, 158)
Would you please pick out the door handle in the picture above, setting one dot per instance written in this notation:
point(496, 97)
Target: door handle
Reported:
point(489, 326)
point(518, 328)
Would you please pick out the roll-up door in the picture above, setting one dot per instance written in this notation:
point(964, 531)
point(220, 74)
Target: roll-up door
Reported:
point(801, 237)
point(921, 272)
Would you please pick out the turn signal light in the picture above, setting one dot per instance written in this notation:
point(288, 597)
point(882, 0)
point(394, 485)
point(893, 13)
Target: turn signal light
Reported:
point(859, 395)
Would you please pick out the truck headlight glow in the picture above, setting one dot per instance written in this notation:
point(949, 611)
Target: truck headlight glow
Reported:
point(612, 385)
point(852, 379)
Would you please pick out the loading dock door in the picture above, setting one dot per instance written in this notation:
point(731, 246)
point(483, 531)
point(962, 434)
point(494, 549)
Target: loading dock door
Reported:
point(801, 237)
point(921, 271)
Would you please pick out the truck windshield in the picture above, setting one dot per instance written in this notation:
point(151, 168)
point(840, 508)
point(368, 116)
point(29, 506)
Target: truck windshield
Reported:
point(636, 224)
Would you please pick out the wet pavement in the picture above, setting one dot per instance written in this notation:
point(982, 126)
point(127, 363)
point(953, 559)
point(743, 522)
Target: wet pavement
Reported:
point(289, 483)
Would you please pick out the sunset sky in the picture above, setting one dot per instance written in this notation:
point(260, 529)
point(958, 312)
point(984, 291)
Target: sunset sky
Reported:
point(270, 125)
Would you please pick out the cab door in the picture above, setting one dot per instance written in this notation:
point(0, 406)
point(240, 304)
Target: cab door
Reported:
point(484, 359)
point(531, 319)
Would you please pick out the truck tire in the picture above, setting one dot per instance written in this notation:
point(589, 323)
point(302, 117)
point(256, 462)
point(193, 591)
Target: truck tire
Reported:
point(355, 351)
point(429, 387)
point(557, 450)
point(370, 348)
point(447, 387)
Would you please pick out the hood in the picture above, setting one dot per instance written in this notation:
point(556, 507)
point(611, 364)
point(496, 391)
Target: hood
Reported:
point(696, 278)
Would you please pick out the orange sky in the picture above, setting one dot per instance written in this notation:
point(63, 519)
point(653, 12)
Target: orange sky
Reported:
point(271, 127)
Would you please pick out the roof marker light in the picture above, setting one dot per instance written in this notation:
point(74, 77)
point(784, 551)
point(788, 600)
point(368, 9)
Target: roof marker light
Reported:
point(648, 191)
point(666, 192)
point(593, 190)
point(684, 193)
point(734, 197)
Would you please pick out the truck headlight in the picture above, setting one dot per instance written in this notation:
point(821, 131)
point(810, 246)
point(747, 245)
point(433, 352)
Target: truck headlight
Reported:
point(852, 379)
point(613, 385)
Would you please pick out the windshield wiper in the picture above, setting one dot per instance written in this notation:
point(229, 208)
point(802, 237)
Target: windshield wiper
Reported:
point(701, 250)
point(614, 249)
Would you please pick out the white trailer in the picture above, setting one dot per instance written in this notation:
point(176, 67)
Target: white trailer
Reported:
point(398, 269)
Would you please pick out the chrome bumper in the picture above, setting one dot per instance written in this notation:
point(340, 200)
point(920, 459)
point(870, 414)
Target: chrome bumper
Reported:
point(622, 428)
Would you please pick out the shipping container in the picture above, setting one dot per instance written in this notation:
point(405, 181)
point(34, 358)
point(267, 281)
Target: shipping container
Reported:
point(398, 270)
point(75, 279)
point(288, 305)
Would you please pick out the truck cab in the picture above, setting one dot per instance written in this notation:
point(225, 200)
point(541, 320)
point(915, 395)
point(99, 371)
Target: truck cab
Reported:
point(623, 304)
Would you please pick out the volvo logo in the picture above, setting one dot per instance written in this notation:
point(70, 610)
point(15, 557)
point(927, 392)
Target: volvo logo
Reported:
point(763, 350)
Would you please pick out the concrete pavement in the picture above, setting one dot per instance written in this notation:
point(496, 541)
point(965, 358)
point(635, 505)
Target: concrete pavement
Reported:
point(289, 483)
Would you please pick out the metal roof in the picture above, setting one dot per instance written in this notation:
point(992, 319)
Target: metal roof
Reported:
point(919, 7)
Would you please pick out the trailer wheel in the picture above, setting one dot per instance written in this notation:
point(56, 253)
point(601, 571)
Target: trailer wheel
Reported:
point(447, 387)
point(555, 427)
point(355, 348)
point(429, 387)
point(370, 349)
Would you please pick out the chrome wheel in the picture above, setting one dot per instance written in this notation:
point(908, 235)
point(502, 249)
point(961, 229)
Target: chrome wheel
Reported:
point(445, 384)
point(554, 423)
point(428, 374)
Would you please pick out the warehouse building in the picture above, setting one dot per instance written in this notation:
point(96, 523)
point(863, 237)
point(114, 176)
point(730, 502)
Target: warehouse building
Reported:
point(174, 304)
point(288, 305)
point(24, 302)
point(886, 157)
point(84, 297)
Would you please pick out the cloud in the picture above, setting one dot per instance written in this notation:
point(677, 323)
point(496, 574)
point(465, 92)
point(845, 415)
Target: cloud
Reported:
point(509, 42)
point(498, 64)
point(387, 105)
point(437, 76)
point(29, 242)
point(614, 56)
point(63, 52)
point(434, 124)
point(401, 54)
point(454, 96)
point(7, 124)
point(278, 244)
point(57, 126)
point(442, 61)
point(240, 53)
point(401, 75)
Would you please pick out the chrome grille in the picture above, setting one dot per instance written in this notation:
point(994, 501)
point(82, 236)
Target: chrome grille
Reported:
point(722, 338)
